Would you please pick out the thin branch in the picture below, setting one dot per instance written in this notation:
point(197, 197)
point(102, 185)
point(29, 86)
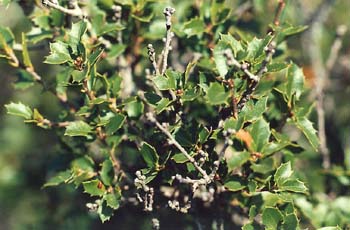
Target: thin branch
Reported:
point(152, 119)
point(341, 30)
point(76, 11)
point(279, 10)
point(152, 58)
point(87, 91)
point(168, 12)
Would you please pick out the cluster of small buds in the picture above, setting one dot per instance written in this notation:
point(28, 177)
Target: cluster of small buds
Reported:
point(205, 194)
point(155, 224)
point(140, 181)
point(203, 157)
point(227, 133)
point(117, 12)
point(229, 57)
point(92, 207)
point(151, 53)
point(168, 12)
point(175, 205)
point(45, 2)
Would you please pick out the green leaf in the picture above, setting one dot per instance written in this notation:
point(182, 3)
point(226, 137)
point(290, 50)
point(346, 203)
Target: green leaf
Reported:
point(235, 45)
point(94, 187)
point(95, 56)
point(26, 58)
point(195, 26)
point(78, 128)
point(149, 155)
point(116, 50)
point(61, 177)
point(248, 226)
point(115, 123)
point(263, 166)
point(59, 53)
point(134, 109)
point(255, 48)
point(271, 217)
point(283, 173)
point(330, 228)
point(260, 131)
point(216, 94)
point(180, 158)
point(162, 105)
point(306, 126)
point(277, 66)
point(220, 59)
point(19, 109)
point(113, 199)
point(295, 82)
point(82, 169)
point(161, 82)
point(6, 38)
point(252, 112)
point(234, 183)
point(237, 159)
point(291, 222)
point(77, 31)
point(293, 185)
point(107, 172)
point(104, 211)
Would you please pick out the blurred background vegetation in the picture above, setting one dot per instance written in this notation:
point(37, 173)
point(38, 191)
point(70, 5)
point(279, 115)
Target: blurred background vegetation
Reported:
point(28, 154)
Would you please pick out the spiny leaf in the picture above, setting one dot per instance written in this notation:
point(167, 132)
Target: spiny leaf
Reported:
point(94, 187)
point(216, 94)
point(271, 217)
point(149, 155)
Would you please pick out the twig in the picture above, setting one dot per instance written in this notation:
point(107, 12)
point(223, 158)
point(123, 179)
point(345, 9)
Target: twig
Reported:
point(168, 12)
point(152, 58)
point(87, 91)
point(341, 30)
point(279, 10)
point(76, 11)
point(117, 17)
point(321, 74)
point(152, 119)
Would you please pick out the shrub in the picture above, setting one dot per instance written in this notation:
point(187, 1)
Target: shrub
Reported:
point(183, 110)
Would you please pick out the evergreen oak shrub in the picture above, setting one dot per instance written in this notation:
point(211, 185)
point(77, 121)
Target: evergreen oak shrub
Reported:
point(165, 108)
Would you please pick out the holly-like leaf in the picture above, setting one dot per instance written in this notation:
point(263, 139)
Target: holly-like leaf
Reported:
point(283, 173)
point(220, 59)
point(291, 222)
point(59, 178)
point(149, 155)
point(94, 187)
point(19, 109)
point(234, 184)
point(216, 94)
point(271, 217)
point(306, 126)
point(295, 82)
point(107, 172)
point(293, 185)
point(115, 123)
point(113, 199)
point(260, 131)
point(195, 26)
point(59, 53)
point(78, 128)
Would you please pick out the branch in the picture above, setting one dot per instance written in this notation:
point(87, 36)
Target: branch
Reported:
point(76, 11)
point(279, 10)
point(152, 119)
point(152, 58)
point(341, 30)
point(168, 12)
